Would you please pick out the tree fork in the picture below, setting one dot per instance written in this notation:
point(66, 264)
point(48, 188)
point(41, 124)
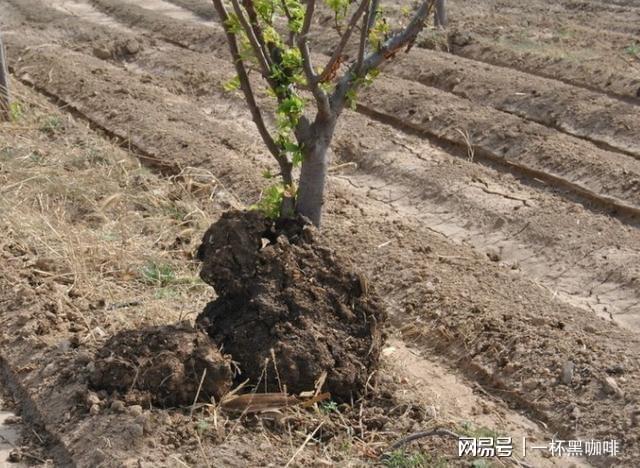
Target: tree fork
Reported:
point(252, 35)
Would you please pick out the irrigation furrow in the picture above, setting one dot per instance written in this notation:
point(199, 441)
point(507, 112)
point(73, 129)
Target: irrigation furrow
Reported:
point(613, 84)
point(565, 162)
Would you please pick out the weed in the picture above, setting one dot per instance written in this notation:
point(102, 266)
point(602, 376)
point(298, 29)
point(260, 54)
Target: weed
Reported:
point(633, 49)
point(401, 459)
point(91, 157)
point(202, 426)
point(328, 407)
point(158, 274)
point(95, 156)
point(15, 111)
point(468, 430)
point(7, 153)
point(110, 236)
point(165, 293)
point(36, 157)
point(345, 446)
point(564, 33)
point(51, 125)
point(481, 463)
point(175, 212)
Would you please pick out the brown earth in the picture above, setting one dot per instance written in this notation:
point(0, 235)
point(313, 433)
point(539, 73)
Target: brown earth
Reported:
point(555, 42)
point(496, 223)
point(166, 366)
point(285, 299)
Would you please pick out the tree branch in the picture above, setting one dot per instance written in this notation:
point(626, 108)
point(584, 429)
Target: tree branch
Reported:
point(287, 13)
point(308, 16)
point(322, 100)
point(257, 31)
point(404, 38)
point(418, 435)
point(373, 13)
point(245, 85)
point(5, 98)
point(253, 40)
point(364, 34)
point(337, 53)
point(303, 46)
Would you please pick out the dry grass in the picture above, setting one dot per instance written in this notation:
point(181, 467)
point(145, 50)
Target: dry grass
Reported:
point(96, 224)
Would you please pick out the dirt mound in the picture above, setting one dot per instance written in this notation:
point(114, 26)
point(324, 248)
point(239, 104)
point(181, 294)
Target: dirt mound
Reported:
point(283, 295)
point(163, 365)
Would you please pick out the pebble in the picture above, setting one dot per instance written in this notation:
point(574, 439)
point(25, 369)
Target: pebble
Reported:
point(135, 410)
point(118, 406)
point(429, 287)
point(132, 46)
point(566, 376)
point(92, 398)
point(145, 421)
point(94, 410)
point(64, 345)
point(49, 370)
point(136, 430)
point(576, 413)
point(611, 387)
point(102, 53)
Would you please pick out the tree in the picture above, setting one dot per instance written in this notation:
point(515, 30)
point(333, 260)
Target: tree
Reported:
point(5, 104)
point(273, 37)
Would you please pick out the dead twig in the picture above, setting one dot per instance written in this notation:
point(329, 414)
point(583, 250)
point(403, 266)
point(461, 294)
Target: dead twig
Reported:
point(304, 444)
point(195, 399)
point(467, 140)
point(418, 435)
point(5, 98)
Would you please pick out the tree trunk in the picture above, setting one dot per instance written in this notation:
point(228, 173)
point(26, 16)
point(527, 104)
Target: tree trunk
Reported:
point(313, 174)
point(4, 85)
point(441, 14)
point(288, 208)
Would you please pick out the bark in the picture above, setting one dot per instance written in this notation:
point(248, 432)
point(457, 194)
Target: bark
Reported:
point(5, 112)
point(288, 202)
point(441, 14)
point(313, 174)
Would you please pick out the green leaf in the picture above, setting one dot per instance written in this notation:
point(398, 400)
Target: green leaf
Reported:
point(159, 274)
point(379, 32)
point(15, 111)
point(232, 85)
point(296, 11)
point(339, 7)
point(272, 36)
point(233, 24)
point(291, 58)
point(271, 201)
point(266, 10)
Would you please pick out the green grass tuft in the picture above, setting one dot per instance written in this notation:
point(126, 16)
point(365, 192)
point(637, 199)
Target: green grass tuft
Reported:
point(158, 274)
